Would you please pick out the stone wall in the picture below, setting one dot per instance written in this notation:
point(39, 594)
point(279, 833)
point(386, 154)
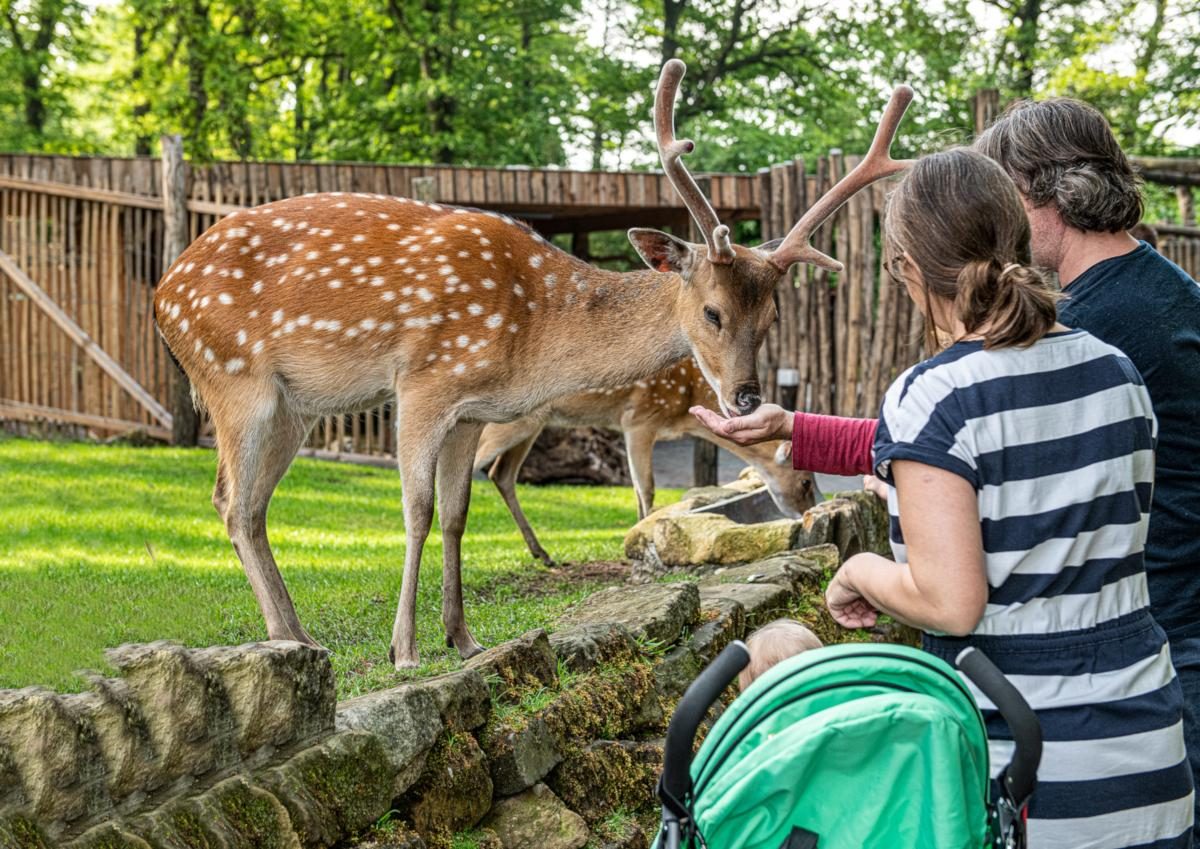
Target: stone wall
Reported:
point(543, 742)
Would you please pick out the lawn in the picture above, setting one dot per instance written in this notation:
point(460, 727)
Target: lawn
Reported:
point(102, 545)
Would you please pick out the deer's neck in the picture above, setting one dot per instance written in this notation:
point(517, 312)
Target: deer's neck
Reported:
point(605, 329)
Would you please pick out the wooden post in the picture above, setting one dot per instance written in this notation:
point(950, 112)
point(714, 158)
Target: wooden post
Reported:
point(185, 429)
point(1187, 205)
point(986, 108)
point(704, 454)
point(423, 189)
point(704, 463)
point(580, 245)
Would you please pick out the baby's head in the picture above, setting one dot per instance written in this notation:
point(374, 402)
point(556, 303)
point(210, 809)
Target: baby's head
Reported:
point(772, 643)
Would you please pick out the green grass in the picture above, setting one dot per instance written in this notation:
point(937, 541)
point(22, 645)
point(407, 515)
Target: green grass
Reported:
point(102, 545)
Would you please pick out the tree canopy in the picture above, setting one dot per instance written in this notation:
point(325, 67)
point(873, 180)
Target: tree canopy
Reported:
point(557, 82)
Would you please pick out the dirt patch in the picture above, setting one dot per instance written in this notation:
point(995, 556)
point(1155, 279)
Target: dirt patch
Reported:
point(541, 581)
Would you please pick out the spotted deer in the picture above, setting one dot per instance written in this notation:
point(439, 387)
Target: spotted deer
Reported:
point(645, 411)
point(330, 303)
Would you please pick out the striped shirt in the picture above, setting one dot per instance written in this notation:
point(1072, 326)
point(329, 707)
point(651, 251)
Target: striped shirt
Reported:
point(1058, 441)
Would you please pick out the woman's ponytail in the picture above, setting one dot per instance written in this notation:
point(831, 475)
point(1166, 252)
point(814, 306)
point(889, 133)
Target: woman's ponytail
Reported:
point(1013, 303)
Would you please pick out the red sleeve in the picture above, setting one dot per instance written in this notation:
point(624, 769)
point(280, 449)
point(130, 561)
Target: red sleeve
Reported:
point(832, 445)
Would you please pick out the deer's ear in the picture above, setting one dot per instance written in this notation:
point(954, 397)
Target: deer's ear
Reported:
point(662, 251)
point(783, 454)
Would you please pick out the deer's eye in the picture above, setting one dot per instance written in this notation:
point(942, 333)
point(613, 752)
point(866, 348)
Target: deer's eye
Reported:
point(714, 318)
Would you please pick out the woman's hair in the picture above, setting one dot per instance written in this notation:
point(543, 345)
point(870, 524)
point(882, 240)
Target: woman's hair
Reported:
point(1062, 152)
point(772, 643)
point(958, 217)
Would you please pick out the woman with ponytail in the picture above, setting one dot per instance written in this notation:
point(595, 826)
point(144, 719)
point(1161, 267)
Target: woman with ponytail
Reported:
point(1018, 464)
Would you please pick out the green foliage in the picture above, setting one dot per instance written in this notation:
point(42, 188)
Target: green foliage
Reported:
point(101, 545)
point(544, 82)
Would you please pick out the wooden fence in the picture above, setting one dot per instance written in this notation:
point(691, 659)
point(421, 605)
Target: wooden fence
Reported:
point(81, 251)
point(842, 338)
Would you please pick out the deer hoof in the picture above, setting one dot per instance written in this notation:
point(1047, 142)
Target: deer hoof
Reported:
point(468, 648)
point(403, 661)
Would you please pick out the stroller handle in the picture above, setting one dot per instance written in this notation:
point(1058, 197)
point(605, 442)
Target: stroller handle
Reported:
point(1020, 776)
point(689, 713)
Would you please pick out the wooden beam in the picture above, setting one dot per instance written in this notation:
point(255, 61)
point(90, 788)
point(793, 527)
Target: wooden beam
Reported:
point(69, 190)
point(1177, 230)
point(80, 337)
point(20, 411)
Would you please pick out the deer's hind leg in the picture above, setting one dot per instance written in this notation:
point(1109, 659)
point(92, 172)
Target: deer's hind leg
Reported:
point(455, 462)
point(519, 438)
point(257, 437)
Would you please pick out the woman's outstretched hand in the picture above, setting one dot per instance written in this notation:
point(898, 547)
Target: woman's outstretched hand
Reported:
point(770, 421)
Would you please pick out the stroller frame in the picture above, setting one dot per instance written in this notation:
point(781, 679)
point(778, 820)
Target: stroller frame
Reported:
point(1017, 780)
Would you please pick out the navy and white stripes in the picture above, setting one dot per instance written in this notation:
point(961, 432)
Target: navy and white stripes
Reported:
point(1058, 441)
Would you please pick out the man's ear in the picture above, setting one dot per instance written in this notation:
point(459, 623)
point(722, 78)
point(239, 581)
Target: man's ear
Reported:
point(662, 251)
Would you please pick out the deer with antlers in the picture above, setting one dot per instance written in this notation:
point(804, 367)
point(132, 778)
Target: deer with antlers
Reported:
point(645, 411)
point(330, 303)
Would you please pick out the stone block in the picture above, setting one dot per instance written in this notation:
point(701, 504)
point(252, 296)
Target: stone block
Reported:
point(185, 709)
point(798, 571)
point(537, 818)
point(675, 671)
point(454, 792)
point(20, 832)
point(521, 752)
point(405, 718)
point(762, 602)
point(612, 703)
point(653, 612)
point(584, 647)
point(336, 788)
point(105, 836)
point(853, 521)
point(603, 777)
point(527, 661)
point(462, 699)
point(123, 738)
point(54, 755)
point(278, 692)
point(695, 538)
point(722, 620)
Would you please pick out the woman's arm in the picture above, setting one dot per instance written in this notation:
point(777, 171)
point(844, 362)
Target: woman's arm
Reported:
point(943, 587)
point(832, 445)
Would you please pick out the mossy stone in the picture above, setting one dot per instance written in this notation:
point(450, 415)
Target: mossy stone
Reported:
point(107, 836)
point(604, 777)
point(17, 832)
point(454, 792)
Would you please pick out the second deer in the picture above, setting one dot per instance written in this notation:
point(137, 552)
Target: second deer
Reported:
point(645, 411)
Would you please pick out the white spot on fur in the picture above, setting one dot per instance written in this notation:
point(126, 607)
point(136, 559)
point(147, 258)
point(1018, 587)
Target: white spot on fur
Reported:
point(235, 365)
point(225, 298)
point(535, 260)
point(494, 320)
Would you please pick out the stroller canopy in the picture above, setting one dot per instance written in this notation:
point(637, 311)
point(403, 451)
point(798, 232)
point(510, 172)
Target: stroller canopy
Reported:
point(847, 747)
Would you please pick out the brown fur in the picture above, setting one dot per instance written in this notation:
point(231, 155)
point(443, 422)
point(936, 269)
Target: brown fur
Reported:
point(316, 306)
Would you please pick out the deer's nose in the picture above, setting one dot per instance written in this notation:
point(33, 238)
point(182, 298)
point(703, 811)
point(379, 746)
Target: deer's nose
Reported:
point(747, 400)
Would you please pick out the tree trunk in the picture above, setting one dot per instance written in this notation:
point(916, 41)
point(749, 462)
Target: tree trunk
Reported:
point(185, 429)
point(1027, 37)
point(141, 142)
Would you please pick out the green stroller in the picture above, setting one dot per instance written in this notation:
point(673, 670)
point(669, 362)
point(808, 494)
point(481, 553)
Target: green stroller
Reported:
point(859, 746)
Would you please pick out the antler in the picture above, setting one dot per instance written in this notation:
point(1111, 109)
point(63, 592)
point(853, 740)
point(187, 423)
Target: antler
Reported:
point(876, 165)
point(716, 234)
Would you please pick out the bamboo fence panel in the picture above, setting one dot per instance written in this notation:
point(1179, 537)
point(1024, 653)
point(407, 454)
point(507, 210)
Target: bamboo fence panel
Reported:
point(89, 232)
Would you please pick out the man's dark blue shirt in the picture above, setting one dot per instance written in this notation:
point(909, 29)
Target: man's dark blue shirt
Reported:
point(1149, 308)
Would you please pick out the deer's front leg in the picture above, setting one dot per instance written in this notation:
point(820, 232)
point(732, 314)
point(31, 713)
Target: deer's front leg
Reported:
point(454, 497)
point(418, 441)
